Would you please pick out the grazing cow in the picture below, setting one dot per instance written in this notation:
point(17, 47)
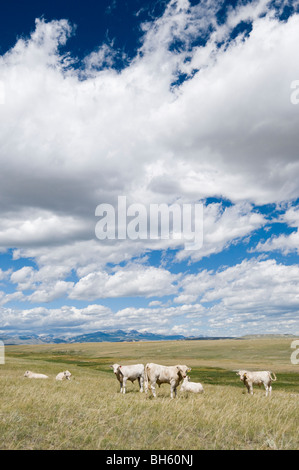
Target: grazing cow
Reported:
point(188, 386)
point(157, 374)
point(257, 378)
point(132, 373)
point(33, 375)
point(63, 375)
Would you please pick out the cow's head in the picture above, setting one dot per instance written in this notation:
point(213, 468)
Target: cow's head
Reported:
point(242, 374)
point(183, 371)
point(27, 373)
point(116, 368)
point(67, 374)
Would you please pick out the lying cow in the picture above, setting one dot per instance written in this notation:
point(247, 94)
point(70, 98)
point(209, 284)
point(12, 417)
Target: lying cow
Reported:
point(33, 375)
point(257, 378)
point(188, 386)
point(63, 375)
point(132, 373)
point(157, 374)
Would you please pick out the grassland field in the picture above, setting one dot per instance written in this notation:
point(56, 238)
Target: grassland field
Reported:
point(88, 412)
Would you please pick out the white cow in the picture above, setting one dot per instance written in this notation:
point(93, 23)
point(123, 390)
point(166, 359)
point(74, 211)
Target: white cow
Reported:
point(33, 375)
point(188, 386)
point(63, 375)
point(132, 372)
point(157, 374)
point(257, 378)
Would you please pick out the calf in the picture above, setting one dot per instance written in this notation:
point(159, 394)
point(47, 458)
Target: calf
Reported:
point(158, 374)
point(132, 373)
point(33, 375)
point(63, 375)
point(257, 378)
point(188, 386)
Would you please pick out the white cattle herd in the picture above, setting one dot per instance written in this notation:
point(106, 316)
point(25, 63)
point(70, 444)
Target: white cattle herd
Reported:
point(61, 376)
point(152, 374)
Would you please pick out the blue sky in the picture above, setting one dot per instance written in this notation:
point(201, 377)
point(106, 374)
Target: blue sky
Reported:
point(162, 102)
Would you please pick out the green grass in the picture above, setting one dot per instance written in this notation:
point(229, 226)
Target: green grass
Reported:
point(88, 412)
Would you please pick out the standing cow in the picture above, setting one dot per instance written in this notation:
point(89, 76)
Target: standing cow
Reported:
point(132, 373)
point(257, 378)
point(158, 374)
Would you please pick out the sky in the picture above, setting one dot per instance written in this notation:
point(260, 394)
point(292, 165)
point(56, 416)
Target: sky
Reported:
point(162, 102)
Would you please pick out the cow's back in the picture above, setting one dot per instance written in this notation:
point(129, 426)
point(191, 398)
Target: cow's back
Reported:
point(159, 373)
point(134, 370)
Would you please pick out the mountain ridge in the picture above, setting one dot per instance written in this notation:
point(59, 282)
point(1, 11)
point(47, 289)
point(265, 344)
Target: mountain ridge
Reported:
point(117, 335)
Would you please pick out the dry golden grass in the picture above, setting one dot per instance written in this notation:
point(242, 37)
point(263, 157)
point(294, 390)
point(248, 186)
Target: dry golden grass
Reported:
point(88, 412)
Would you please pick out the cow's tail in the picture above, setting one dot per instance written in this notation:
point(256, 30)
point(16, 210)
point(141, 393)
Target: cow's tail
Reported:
point(274, 378)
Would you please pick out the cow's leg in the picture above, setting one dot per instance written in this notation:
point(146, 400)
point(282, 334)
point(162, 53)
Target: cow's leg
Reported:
point(140, 381)
point(268, 389)
point(153, 388)
point(172, 389)
point(124, 385)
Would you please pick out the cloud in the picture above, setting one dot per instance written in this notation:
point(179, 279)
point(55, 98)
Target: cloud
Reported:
point(284, 243)
point(248, 298)
point(252, 296)
point(93, 317)
point(251, 286)
point(3, 274)
point(228, 131)
point(133, 280)
point(39, 227)
point(194, 115)
point(224, 226)
point(66, 319)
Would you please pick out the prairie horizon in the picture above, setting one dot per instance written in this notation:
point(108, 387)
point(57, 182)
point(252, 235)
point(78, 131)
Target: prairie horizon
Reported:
point(34, 413)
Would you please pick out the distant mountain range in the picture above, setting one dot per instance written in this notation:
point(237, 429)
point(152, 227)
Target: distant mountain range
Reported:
point(98, 336)
point(116, 336)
